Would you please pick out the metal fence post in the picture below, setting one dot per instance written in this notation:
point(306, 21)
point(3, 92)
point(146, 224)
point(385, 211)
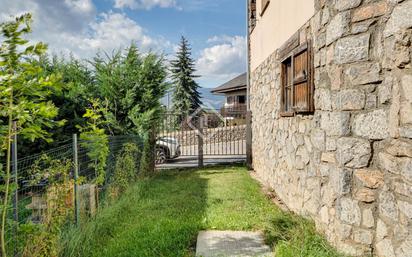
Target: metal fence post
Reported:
point(76, 179)
point(249, 156)
point(16, 180)
point(200, 143)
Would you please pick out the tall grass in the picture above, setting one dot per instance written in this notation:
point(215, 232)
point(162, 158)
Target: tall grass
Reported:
point(162, 215)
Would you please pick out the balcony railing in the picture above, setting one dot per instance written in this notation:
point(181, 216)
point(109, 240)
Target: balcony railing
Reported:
point(234, 111)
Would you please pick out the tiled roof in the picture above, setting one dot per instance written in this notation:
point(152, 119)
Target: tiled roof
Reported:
point(235, 84)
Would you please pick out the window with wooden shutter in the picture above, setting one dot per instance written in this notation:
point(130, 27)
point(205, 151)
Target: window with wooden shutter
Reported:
point(297, 82)
point(264, 4)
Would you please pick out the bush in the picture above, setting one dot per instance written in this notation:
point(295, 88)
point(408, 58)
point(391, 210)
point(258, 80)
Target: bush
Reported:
point(41, 240)
point(126, 169)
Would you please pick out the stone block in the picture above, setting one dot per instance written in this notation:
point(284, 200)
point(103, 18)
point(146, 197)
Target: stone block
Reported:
point(368, 220)
point(363, 236)
point(401, 57)
point(349, 212)
point(406, 85)
point(325, 16)
point(349, 99)
point(384, 248)
point(335, 123)
point(373, 125)
point(324, 215)
point(361, 27)
point(330, 144)
point(406, 131)
point(328, 195)
point(381, 230)
point(405, 208)
point(341, 179)
point(302, 158)
point(323, 99)
point(405, 248)
point(401, 18)
point(343, 231)
point(351, 249)
point(352, 49)
point(363, 73)
point(370, 178)
point(405, 166)
point(353, 152)
point(406, 113)
point(371, 101)
point(365, 195)
point(402, 188)
point(328, 157)
point(370, 11)
point(388, 163)
point(385, 90)
point(387, 206)
point(347, 4)
point(337, 27)
point(400, 148)
point(335, 74)
point(394, 111)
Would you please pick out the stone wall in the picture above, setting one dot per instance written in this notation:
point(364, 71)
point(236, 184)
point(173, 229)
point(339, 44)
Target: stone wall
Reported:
point(348, 166)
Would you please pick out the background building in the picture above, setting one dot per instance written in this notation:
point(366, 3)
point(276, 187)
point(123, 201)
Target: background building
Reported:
point(234, 108)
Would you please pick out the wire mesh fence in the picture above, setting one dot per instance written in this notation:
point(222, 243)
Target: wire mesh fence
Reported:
point(64, 175)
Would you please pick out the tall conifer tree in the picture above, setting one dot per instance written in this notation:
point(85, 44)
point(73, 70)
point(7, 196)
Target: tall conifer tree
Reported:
point(186, 96)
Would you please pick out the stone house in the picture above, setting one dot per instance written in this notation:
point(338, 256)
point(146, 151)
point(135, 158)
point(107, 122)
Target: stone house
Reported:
point(331, 103)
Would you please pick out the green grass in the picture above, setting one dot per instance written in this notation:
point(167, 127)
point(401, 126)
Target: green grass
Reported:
point(161, 216)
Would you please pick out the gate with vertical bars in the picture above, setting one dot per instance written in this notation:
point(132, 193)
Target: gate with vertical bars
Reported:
point(210, 133)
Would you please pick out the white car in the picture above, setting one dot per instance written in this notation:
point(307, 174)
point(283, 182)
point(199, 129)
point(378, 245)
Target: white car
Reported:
point(167, 148)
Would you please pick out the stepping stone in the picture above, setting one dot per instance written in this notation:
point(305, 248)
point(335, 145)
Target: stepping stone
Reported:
point(231, 244)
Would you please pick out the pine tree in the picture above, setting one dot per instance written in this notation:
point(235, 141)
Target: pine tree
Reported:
point(186, 96)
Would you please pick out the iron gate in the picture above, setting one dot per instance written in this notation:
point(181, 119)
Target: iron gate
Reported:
point(209, 133)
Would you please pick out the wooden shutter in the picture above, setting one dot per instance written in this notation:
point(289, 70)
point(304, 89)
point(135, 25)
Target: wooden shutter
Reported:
point(302, 80)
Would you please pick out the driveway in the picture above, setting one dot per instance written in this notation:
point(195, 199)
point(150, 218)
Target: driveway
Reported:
point(192, 162)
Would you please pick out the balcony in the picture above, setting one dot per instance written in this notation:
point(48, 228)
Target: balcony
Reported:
point(234, 111)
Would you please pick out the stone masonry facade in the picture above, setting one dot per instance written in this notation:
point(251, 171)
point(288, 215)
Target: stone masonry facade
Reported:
point(348, 165)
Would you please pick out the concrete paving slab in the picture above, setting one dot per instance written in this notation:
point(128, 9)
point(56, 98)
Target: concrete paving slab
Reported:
point(231, 244)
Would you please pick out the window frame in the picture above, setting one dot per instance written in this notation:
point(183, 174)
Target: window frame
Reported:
point(231, 98)
point(306, 46)
point(241, 97)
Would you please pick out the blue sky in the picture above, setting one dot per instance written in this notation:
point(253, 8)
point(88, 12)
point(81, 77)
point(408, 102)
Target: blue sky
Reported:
point(215, 28)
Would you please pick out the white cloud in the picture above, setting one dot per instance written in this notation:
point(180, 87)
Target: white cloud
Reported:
point(82, 6)
point(223, 60)
point(73, 26)
point(144, 4)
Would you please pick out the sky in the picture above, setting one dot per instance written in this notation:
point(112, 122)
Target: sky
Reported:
point(215, 29)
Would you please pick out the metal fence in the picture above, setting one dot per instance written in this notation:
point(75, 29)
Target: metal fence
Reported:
point(29, 202)
point(207, 132)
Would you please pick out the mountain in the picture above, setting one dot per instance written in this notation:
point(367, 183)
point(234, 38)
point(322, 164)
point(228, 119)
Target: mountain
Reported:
point(209, 100)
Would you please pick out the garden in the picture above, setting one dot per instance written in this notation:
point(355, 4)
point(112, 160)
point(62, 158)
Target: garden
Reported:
point(162, 215)
point(77, 161)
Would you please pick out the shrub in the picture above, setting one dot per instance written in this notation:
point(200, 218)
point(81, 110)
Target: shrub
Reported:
point(41, 240)
point(126, 168)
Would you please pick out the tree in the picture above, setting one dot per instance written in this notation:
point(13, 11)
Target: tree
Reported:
point(23, 94)
point(186, 96)
point(72, 100)
point(133, 85)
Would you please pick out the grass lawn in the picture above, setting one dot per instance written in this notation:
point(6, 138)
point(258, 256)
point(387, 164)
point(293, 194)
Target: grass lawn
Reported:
point(162, 215)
